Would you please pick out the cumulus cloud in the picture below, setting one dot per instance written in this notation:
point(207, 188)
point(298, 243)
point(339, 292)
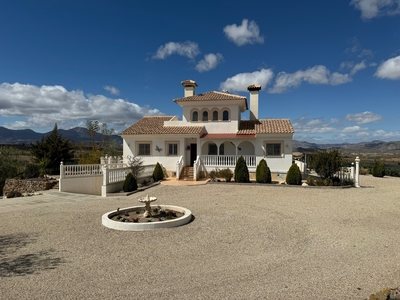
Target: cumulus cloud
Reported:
point(40, 107)
point(374, 8)
point(363, 117)
point(389, 69)
point(315, 75)
point(112, 90)
point(313, 126)
point(352, 129)
point(246, 33)
point(241, 81)
point(188, 49)
point(210, 61)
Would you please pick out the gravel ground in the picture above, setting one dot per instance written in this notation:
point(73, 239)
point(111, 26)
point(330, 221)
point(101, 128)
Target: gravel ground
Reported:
point(246, 242)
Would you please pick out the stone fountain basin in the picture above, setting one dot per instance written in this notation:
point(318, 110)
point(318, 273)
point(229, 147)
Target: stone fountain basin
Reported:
point(129, 226)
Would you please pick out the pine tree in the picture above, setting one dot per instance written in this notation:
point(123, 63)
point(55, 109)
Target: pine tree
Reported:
point(241, 171)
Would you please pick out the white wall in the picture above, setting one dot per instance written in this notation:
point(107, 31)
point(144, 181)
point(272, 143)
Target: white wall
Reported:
point(82, 185)
point(169, 162)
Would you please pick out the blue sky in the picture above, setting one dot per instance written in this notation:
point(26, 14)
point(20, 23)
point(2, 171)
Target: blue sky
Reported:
point(332, 67)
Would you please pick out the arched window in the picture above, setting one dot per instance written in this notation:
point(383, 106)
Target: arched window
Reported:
point(205, 115)
point(195, 116)
point(225, 115)
point(215, 115)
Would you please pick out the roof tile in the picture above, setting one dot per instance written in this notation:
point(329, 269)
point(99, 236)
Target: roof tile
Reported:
point(155, 125)
point(265, 126)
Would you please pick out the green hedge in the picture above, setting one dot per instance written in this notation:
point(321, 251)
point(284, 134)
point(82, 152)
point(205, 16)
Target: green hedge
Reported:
point(263, 173)
point(293, 176)
point(241, 171)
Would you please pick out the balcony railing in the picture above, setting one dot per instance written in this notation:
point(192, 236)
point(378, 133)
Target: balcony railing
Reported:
point(226, 160)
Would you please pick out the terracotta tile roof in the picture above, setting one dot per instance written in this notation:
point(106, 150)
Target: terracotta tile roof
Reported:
point(227, 136)
point(155, 125)
point(212, 96)
point(265, 126)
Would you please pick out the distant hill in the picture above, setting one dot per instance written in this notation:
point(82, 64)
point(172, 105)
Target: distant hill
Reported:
point(27, 136)
point(364, 147)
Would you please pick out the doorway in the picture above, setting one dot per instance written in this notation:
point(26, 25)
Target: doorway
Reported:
point(193, 153)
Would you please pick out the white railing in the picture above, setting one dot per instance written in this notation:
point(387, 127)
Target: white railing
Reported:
point(196, 167)
point(227, 160)
point(346, 173)
point(114, 175)
point(179, 167)
point(80, 170)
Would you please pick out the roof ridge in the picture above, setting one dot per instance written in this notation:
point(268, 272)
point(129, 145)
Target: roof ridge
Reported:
point(227, 94)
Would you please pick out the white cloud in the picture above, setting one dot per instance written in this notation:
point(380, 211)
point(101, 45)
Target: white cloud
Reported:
point(364, 117)
point(389, 69)
point(315, 75)
point(241, 81)
point(352, 129)
point(112, 90)
point(312, 126)
point(39, 107)
point(188, 49)
point(374, 8)
point(358, 67)
point(246, 33)
point(209, 62)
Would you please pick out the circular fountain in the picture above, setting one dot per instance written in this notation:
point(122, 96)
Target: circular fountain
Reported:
point(139, 218)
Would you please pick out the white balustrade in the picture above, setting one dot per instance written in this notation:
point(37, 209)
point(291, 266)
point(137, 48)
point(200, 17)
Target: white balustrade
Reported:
point(227, 160)
point(196, 167)
point(81, 170)
point(179, 167)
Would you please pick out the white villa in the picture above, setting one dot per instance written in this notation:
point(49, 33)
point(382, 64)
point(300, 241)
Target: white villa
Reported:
point(210, 135)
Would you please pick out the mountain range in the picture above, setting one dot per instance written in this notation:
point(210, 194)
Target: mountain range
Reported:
point(80, 135)
point(28, 136)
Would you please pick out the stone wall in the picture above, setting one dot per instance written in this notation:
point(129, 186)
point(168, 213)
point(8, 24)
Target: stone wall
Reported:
point(27, 186)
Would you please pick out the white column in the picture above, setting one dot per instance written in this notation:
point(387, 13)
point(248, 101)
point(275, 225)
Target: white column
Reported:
point(61, 177)
point(357, 175)
point(105, 180)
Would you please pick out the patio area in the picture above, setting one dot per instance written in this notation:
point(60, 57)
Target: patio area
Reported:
point(268, 242)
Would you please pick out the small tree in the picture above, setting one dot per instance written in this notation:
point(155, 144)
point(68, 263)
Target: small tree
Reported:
point(9, 165)
point(378, 170)
point(51, 150)
point(158, 173)
point(293, 176)
point(136, 165)
point(263, 173)
point(326, 163)
point(241, 171)
point(130, 183)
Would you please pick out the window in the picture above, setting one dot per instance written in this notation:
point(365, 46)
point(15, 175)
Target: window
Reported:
point(144, 149)
point(215, 115)
point(212, 149)
point(225, 115)
point(195, 116)
point(172, 148)
point(273, 149)
point(205, 115)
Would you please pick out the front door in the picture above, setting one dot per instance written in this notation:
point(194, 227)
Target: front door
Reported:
point(193, 153)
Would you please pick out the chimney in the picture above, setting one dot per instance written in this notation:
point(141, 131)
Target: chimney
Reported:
point(254, 90)
point(189, 87)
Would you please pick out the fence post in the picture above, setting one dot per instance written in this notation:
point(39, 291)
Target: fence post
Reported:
point(61, 176)
point(357, 173)
point(105, 181)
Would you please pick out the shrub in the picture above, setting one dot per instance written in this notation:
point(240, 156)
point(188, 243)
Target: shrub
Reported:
point(364, 171)
point(311, 181)
point(130, 183)
point(226, 174)
point(241, 171)
point(378, 169)
point(158, 173)
point(213, 174)
point(326, 163)
point(293, 176)
point(263, 173)
point(31, 171)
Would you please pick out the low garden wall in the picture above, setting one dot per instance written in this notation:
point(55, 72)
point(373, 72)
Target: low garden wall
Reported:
point(27, 186)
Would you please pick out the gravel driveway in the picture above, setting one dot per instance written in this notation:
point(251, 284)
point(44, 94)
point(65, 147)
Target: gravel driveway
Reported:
point(246, 242)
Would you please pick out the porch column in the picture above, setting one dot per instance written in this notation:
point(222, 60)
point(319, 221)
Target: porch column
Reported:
point(357, 175)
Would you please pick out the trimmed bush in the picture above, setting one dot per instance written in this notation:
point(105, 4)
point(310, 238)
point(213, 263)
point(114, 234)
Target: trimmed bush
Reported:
point(326, 163)
point(263, 173)
point(378, 169)
point(158, 173)
point(130, 183)
point(293, 176)
point(226, 174)
point(241, 171)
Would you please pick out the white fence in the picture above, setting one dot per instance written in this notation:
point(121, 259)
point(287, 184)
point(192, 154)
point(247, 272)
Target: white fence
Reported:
point(226, 160)
point(97, 179)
